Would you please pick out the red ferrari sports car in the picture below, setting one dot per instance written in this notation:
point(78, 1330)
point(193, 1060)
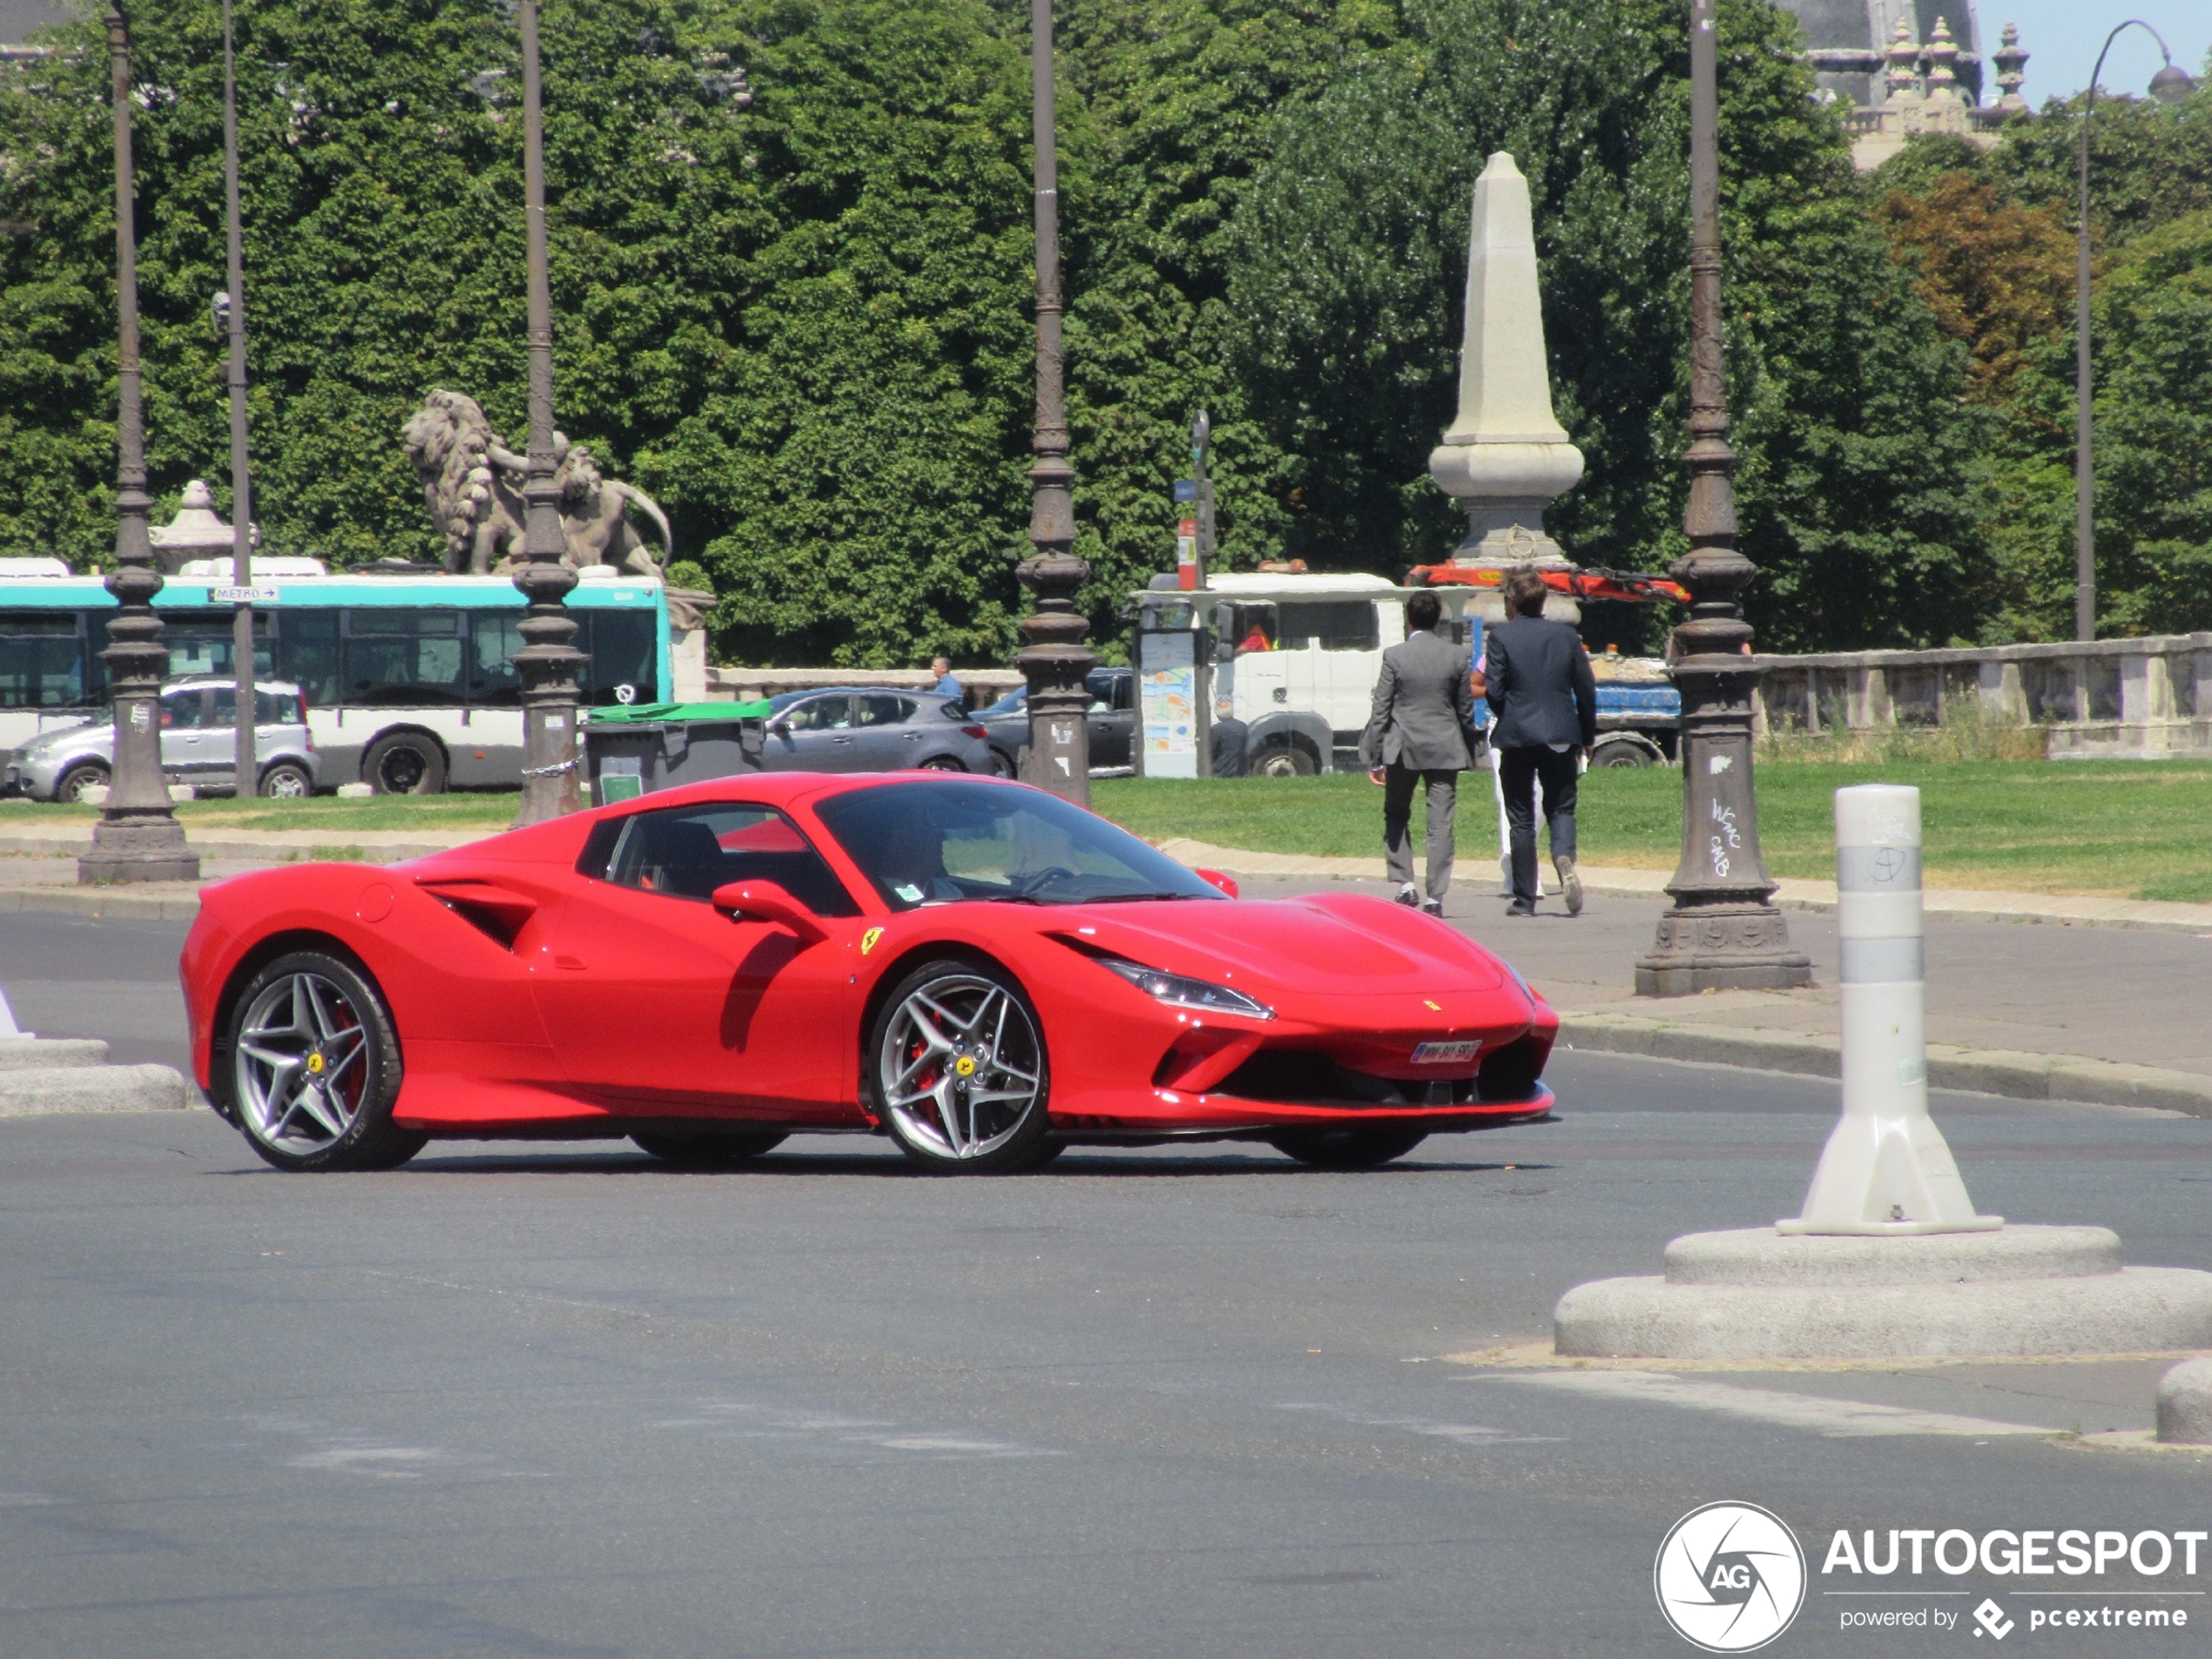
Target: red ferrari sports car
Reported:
point(978, 969)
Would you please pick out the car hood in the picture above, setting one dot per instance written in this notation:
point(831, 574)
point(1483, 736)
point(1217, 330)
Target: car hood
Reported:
point(1329, 944)
point(48, 739)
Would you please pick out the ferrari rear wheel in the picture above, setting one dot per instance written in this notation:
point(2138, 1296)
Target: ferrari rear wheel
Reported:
point(1347, 1149)
point(314, 1068)
point(708, 1151)
point(957, 1072)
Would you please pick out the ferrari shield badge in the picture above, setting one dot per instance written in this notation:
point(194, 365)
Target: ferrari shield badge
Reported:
point(868, 939)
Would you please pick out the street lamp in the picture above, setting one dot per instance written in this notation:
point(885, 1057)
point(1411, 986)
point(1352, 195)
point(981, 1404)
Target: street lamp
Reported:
point(2169, 86)
point(138, 837)
point(1055, 663)
point(241, 485)
point(1721, 932)
point(548, 659)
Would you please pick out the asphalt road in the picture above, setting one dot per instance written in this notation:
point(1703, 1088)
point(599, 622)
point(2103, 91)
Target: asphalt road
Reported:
point(561, 1400)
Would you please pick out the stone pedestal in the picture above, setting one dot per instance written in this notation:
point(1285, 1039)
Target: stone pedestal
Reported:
point(2017, 1291)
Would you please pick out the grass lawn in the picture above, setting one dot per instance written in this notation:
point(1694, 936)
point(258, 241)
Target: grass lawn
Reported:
point(2133, 830)
point(486, 809)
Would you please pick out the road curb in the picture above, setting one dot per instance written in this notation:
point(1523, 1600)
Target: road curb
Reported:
point(171, 903)
point(40, 1091)
point(1983, 1071)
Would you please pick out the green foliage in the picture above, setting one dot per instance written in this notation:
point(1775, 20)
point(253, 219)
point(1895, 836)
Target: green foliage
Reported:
point(1353, 246)
point(1991, 235)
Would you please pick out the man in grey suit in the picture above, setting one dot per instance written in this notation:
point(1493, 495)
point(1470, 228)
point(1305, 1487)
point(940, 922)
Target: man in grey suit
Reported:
point(1541, 687)
point(1416, 733)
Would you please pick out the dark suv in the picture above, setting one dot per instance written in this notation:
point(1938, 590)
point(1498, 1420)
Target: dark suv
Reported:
point(1113, 724)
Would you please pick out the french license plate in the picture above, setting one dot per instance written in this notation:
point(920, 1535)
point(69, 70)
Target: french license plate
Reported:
point(1439, 1054)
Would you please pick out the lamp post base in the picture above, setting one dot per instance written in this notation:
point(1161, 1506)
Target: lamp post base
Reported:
point(134, 847)
point(1722, 947)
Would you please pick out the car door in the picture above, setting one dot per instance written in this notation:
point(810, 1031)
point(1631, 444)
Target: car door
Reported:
point(815, 734)
point(185, 741)
point(656, 1002)
point(1111, 718)
point(888, 739)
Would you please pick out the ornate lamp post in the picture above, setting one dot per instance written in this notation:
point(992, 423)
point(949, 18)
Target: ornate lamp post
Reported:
point(138, 837)
point(548, 659)
point(241, 484)
point(1055, 660)
point(2169, 86)
point(1721, 932)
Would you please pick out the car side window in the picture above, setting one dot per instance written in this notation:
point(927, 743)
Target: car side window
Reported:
point(184, 710)
point(879, 708)
point(688, 851)
point(819, 714)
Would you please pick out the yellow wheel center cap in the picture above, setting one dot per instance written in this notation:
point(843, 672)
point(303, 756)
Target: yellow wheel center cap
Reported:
point(965, 1065)
point(314, 1062)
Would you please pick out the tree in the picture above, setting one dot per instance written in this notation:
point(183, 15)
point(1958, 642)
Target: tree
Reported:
point(1351, 245)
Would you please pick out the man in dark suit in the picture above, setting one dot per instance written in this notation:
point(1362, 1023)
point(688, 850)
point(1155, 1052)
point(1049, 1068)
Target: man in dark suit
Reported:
point(1542, 690)
point(1416, 733)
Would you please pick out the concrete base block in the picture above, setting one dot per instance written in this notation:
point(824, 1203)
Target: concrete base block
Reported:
point(39, 1090)
point(2185, 1404)
point(2019, 1292)
point(44, 1054)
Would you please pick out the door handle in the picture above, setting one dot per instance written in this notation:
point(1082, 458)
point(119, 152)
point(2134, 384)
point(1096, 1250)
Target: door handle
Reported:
point(841, 739)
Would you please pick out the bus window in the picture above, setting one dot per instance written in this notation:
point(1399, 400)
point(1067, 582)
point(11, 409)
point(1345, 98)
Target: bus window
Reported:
point(621, 644)
point(203, 642)
point(494, 638)
point(42, 661)
point(307, 654)
point(403, 658)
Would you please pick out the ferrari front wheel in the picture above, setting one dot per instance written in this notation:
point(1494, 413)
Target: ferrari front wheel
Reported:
point(314, 1068)
point(1347, 1149)
point(957, 1072)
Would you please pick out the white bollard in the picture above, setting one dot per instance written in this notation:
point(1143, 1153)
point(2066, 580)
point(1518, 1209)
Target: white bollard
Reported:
point(1887, 1168)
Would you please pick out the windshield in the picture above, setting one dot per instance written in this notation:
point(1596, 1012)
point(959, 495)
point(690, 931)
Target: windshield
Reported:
point(934, 843)
point(1013, 703)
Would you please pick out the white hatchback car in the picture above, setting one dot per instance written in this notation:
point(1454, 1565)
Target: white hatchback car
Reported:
point(199, 745)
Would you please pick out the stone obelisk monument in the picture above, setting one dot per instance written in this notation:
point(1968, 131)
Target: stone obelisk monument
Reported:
point(1506, 455)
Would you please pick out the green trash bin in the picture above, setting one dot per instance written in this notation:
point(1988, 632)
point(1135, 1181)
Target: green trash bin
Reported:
point(647, 747)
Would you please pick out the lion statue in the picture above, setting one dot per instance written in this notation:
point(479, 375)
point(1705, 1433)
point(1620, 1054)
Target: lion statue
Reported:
point(473, 485)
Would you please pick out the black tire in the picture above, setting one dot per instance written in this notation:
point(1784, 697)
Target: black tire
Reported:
point(709, 1151)
point(1004, 765)
point(1000, 1136)
point(86, 774)
point(1283, 761)
point(346, 1120)
point(1623, 754)
point(1347, 1149)
point(405, 763)
point(942, 763)
point(287, 780)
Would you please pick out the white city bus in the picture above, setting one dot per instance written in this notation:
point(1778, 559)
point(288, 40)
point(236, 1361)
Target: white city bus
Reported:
point(409, 679)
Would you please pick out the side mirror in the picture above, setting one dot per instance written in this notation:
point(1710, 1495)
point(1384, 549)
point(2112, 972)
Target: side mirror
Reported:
point(779, 728)
point(1227, 884)
point(768, 901)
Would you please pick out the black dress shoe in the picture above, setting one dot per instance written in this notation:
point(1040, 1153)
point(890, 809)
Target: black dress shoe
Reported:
point(1520, 907)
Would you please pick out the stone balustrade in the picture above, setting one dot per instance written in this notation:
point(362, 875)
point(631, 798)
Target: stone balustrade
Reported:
point(2110, 698)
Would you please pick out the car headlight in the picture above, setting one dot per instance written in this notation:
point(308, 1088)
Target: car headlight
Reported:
point(1178, 991)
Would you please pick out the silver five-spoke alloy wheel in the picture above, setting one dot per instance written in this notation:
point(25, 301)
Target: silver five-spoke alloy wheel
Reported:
point(302, 1063)
point(959, 1067)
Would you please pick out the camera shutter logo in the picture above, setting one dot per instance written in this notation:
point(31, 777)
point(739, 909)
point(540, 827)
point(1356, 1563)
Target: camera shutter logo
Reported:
point(1729, 1577)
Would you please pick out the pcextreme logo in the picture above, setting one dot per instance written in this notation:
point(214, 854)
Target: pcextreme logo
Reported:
point(1729, 1577)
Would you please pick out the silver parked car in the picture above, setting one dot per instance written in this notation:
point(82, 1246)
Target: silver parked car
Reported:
point(872, 729)
point(199, 745)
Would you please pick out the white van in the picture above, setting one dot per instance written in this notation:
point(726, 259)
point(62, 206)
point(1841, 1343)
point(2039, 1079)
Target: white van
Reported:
point(1294, 658)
